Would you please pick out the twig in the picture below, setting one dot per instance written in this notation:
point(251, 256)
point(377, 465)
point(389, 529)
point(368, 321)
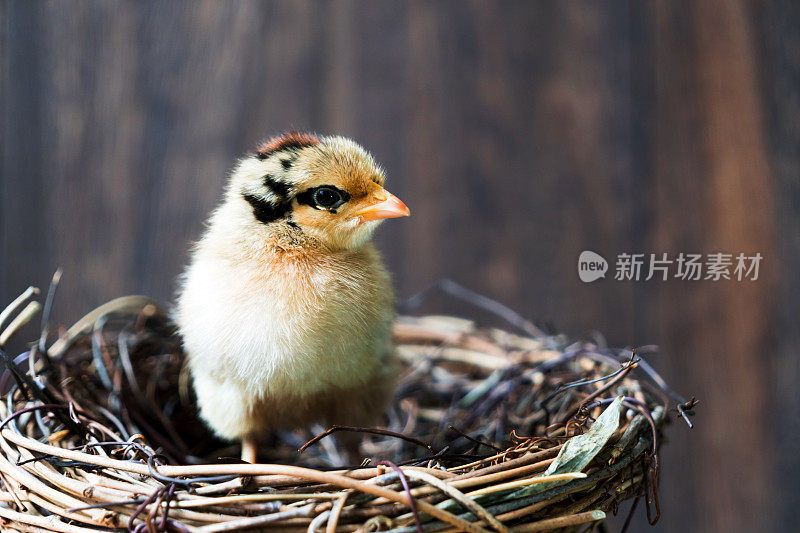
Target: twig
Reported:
point(411, 502)
point(454, 289)
point(526, 482)
point(562, 521)
point(374, 431)
point(26, 295)
point(19, 321)
point(333, 520)
point(465, 500)
point(476, 441)
point(246, 523)
point(48, 307)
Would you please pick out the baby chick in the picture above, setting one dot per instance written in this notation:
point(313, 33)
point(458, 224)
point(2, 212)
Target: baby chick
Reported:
point(286, 308)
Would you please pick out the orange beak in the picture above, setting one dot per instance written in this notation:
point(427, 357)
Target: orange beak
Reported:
point(386, 206)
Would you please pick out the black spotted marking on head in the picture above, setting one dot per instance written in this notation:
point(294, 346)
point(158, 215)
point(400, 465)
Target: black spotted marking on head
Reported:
point(292, 223)
point(265, 211)
point(278, 187)
point(287, 141)
point(288, 162)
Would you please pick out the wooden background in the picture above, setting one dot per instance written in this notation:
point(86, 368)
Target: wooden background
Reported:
point(519, 133)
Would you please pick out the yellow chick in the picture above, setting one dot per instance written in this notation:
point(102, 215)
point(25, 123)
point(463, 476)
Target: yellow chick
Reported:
point(285, 308)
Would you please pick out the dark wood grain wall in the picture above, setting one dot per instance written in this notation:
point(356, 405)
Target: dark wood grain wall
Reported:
point(519, 133)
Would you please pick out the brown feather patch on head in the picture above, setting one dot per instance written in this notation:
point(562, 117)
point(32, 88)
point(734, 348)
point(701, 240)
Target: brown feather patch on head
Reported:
point(286, 141)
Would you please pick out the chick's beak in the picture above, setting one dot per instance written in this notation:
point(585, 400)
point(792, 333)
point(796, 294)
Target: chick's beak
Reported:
point(386, 205)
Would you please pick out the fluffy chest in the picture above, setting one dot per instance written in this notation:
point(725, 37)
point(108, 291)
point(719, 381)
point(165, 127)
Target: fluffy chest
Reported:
point(302, 326)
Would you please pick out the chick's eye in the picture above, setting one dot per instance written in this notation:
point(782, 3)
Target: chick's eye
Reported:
point(327, 197)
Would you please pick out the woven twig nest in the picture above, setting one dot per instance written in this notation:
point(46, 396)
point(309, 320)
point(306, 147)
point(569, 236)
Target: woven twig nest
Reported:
point(489, 431)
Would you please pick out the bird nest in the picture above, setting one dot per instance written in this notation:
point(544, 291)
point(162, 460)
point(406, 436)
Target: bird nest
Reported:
point(489, 431)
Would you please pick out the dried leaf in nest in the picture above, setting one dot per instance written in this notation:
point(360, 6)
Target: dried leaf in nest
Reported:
point(579, 451)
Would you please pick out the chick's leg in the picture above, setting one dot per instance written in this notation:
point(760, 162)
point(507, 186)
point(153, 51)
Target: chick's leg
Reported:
point(250, 450)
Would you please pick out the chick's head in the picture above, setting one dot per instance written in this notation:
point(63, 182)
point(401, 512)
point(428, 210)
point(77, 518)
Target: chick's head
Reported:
point(326, 190)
